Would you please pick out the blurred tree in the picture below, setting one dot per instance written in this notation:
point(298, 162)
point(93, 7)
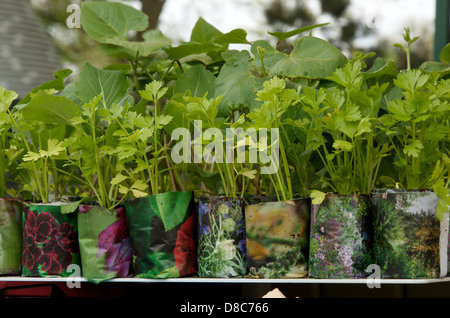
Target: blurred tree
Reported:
point(344, 29)
point(74, 45)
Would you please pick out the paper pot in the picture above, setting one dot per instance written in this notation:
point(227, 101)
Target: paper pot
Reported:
point(50, 241)
point(341, 237)
point(105, 245)
point(277, 238)
point(163, 235)
point(10, 236)
point(221, 237)
point(407, 234)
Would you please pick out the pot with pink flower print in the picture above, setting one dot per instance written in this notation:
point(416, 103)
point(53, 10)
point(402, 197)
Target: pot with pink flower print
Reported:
point(105, 245)
point(341, 237)
point(50, 241)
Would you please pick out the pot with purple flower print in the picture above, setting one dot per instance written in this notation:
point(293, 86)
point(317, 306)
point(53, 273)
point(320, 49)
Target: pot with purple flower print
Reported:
point(105, 244)
point(341, 237)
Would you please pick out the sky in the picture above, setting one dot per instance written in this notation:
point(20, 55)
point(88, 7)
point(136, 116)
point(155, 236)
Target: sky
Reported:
point(388, 17)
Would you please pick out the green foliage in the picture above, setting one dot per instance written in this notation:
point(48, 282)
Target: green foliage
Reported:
point(107, 135)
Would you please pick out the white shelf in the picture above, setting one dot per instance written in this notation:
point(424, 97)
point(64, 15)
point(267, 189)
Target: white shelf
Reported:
point(227, 280)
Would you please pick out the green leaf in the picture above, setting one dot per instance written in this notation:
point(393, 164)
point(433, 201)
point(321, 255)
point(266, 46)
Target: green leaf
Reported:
point(57, 83)
point(54, 148)
point(92, 81)
point(118, 179)
point(177, 109)
point(444, 56)
point(317, 197)
point(51, 109)
point(104, 20)
point(190, 48)
point(236, 83)
point(311, 58)
point(203, 32)
point(31, 156)
point(285, 35)
point(154, 91)
point(411, 80)
point(171, 207)
point(251, 174)
point(153, 41)
point(342, 145)
point(443, 195)
point(197, 80)
point(237, 36)
point(413, 148)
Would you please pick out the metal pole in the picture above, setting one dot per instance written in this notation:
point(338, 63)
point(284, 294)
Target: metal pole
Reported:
point(441, 37)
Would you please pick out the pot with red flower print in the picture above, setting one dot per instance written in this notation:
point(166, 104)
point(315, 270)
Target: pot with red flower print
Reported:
point(10, 236)
point(105, 245)
point(163, 235)
point(50, 241)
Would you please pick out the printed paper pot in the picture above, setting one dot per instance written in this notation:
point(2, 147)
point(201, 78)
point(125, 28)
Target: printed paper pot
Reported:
point(50, 241)
point(406, 234)
point(341, 237)
point(221, 237)
point(163, 235)
point(277, 238)
point(105, 245)
point(10, 236)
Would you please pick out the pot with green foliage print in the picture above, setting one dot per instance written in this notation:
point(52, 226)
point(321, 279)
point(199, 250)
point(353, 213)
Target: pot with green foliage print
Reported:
point(10, 236)
point(163, 235)
point(407, 235)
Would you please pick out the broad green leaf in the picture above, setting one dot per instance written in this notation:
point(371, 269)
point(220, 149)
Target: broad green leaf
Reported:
point(197, 80)
point(57, 83)
point(177, 109)
point(237, 36)
point(51, 109)
point(444, 56)
point(204, 32)
point(381, 71)
point(285, 35)
point(103, 20)
point(191, 48)
point(92, 81)
point(270, 56)
point(236, 83)
point(311, 58)
point(431, 66)
point(153, 40)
